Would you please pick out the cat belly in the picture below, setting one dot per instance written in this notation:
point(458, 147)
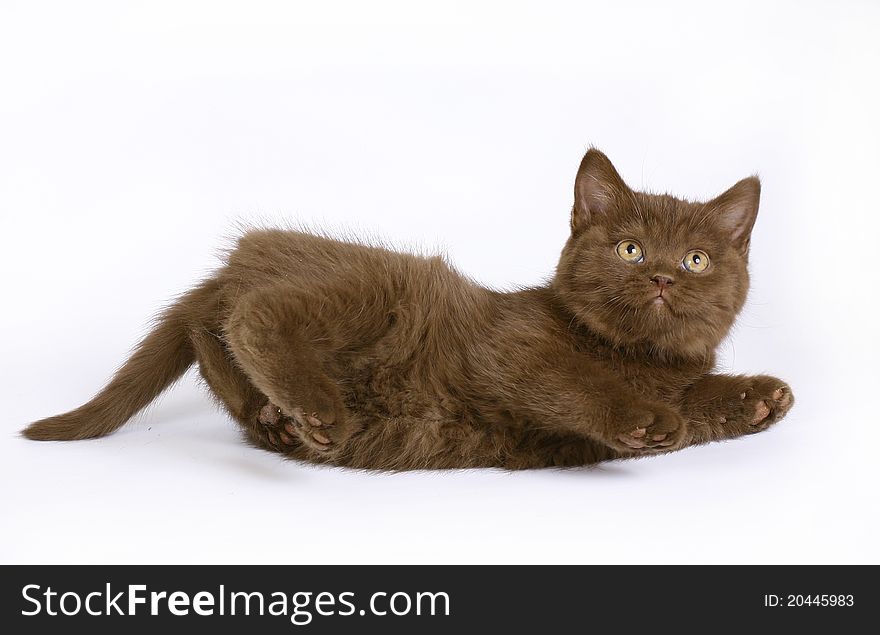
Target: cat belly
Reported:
point(409, 416)
point(409, 422)
point(411, 429)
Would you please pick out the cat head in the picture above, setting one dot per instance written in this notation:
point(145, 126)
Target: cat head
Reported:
point(655, 271)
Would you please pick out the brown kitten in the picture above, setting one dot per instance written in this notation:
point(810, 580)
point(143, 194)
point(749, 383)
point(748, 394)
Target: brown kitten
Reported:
point(358, 356)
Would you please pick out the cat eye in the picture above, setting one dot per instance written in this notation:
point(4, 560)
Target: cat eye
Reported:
point(695, 261)
point(631, 251)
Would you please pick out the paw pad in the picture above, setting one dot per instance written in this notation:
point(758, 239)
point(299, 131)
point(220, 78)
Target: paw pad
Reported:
point(762, 410)
point(307, 424)
point(638, 439)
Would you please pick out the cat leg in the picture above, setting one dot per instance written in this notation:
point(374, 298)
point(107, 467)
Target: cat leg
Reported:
point(289, 350)
point(233, 389)
point(228, 383)
point(728, 406)
point(579, 397)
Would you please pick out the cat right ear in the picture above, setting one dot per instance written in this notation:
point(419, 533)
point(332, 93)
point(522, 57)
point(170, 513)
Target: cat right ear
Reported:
point(596, 188)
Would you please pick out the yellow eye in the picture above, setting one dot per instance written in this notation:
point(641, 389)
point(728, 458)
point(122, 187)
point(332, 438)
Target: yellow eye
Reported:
point(695, 261)
point(630, 250)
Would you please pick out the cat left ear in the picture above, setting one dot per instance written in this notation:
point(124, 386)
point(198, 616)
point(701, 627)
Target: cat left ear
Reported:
point(737, 210)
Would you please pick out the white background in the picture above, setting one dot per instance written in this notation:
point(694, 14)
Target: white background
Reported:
point(133, 136)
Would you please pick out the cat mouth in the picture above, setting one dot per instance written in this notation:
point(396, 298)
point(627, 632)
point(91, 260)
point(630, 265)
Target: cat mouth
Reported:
point(659, 300)
point(661, 305)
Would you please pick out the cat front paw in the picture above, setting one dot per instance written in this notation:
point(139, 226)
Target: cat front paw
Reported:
point(760, 402)
point(645, 429)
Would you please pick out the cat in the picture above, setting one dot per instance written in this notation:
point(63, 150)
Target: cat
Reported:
point(351, 355)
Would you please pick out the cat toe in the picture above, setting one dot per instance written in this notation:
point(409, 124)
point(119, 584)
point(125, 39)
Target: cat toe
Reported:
point(631, 441)
point(783, 398)
point(270, 414)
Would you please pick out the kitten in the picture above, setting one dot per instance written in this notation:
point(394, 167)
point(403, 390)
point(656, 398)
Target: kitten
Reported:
point(358, 356)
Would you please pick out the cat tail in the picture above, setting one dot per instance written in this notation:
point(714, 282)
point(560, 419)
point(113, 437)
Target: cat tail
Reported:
point(157, 362)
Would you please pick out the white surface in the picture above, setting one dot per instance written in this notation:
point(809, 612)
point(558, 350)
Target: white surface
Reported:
point(134, 135)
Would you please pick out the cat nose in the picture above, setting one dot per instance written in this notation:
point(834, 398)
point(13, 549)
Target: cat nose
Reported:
point(662, 281)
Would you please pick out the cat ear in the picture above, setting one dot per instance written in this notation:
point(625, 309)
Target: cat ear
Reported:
point(736, 211)
point(596, 187)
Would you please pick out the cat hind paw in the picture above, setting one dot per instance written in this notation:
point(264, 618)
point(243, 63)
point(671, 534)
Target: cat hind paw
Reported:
point(287, 431)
